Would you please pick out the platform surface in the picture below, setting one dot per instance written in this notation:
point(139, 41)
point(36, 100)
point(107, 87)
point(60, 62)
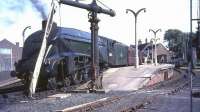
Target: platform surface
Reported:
point(130, 78)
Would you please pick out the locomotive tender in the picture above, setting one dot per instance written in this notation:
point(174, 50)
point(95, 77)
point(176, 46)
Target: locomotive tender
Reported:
point(67, 60)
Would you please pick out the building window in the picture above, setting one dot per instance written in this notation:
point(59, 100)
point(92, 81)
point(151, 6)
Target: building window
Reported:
point(5, 51)
point(6, 59)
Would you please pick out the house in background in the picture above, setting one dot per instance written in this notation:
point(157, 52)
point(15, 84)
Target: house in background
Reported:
point(145, 53)
point(9, 54)
point(164, 55)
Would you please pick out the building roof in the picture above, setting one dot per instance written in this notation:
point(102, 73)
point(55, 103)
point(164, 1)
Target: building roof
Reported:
point(142, 46)
point(161, 49)
point(75, 32)
point(7, 44)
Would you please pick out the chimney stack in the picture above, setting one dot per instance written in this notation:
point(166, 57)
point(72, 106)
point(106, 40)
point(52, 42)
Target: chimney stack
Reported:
point(17, 44)
point(44, 23)
point(139, 42)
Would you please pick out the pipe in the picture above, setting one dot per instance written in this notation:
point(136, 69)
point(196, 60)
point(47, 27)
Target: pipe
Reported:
point(89, 7)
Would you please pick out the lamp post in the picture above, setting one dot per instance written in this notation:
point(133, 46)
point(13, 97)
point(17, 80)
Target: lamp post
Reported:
point(152, 51)
point(155, 40)
point(136, 43)
point(23, 33)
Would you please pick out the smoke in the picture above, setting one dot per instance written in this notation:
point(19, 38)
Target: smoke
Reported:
point(40, 8)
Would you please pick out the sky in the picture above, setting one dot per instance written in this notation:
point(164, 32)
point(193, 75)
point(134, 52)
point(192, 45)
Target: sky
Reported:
point(160, 14)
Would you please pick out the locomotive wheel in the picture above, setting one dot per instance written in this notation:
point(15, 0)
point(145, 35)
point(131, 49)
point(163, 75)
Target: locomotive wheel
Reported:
point(67, 82)
point(52, 84)
point(77, 78)
point(98, 83)
point(26, 81)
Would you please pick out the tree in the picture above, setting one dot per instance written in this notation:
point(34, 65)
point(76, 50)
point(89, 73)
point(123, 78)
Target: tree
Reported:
point(176, 41)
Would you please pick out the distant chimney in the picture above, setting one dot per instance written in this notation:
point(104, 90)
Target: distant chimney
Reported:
point(17, 44)
point(139, 42)
point(146, 41)
point(44, 23)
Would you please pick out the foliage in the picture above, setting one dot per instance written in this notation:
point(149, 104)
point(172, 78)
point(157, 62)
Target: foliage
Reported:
point(177, 41)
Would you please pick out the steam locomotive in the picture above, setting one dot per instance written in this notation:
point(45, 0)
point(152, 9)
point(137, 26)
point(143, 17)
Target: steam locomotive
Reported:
point(67, 59)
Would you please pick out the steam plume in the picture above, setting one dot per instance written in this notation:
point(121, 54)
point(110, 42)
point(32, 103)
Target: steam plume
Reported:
point(40, 8)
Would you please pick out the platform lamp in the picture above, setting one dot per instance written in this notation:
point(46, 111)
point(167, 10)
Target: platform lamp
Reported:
point(155, 39)
point(23, 33)
point(136, 43)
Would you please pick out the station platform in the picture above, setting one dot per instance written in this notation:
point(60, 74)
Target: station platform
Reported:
point(131, 78)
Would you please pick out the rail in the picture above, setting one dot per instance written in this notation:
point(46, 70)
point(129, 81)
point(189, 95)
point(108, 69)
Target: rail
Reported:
point(9, 82)
point(109, 100)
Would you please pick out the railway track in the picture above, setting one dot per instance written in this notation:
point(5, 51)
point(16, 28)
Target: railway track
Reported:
point(196, 86)
point(92, 106)
point(11, 85)
point(148, 100)
point(9, 82)
point(15, 85)
point(108, 100)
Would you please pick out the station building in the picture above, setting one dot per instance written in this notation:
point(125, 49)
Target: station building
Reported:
point(9, 54)
point(145, 53)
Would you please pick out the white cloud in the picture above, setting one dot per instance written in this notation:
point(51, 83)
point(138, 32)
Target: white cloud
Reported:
point(14, 32)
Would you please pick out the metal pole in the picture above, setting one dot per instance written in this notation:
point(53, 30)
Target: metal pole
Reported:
point(152, 51)
point(136, 45)
point(11, 60)
point(89, 7)
point(23, 33)
point(155, 40)
point(190, 58)
point(94, 46)
point(155, 52)
point(41, 53)
point(136, 42)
